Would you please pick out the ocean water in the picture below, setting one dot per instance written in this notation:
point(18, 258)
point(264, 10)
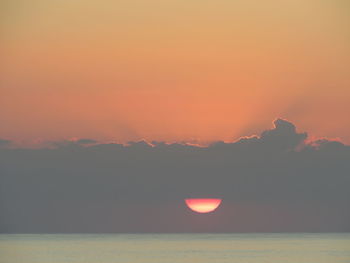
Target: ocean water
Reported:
point(174, 248)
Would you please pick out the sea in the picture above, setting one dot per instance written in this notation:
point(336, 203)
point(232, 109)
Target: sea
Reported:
point(175, 248)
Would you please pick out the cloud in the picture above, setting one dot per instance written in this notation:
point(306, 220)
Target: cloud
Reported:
point(86, 141)
point(272, 182)
point(73, 143)
point(4, 143)
point(283, 136)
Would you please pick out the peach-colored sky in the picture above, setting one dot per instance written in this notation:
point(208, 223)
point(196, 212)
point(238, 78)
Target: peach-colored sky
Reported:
point(173, 70)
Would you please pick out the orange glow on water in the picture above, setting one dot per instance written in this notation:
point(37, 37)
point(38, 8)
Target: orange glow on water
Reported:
point(203, 205)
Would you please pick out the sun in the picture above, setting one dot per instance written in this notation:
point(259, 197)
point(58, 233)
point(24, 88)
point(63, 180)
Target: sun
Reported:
point(203, 205)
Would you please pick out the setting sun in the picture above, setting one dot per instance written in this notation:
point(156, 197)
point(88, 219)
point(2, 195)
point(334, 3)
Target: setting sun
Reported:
point(203, 205)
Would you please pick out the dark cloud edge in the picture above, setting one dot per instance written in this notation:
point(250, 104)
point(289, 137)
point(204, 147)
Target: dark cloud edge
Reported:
point(282, 131)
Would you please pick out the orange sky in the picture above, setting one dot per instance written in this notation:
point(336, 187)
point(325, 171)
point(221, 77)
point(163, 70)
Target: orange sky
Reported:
point(173, 70)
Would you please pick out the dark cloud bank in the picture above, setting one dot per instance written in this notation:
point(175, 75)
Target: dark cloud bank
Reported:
point(275, 182)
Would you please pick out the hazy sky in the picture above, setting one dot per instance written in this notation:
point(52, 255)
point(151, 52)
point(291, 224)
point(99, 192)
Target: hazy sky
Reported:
point(172, 70)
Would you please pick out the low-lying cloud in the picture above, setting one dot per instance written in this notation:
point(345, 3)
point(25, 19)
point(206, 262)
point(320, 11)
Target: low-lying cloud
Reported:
point(272, 182)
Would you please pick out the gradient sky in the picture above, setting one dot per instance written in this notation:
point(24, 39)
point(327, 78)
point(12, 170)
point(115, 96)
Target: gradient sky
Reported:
point(173, 70)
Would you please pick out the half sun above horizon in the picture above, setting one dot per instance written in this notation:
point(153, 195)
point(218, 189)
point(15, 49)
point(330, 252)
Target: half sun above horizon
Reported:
point(203, 205)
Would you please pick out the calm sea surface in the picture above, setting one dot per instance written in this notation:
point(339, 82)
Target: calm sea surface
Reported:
point(174, 248)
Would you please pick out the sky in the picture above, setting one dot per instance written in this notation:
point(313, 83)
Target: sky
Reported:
point(174, 71)
point(112, 113)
